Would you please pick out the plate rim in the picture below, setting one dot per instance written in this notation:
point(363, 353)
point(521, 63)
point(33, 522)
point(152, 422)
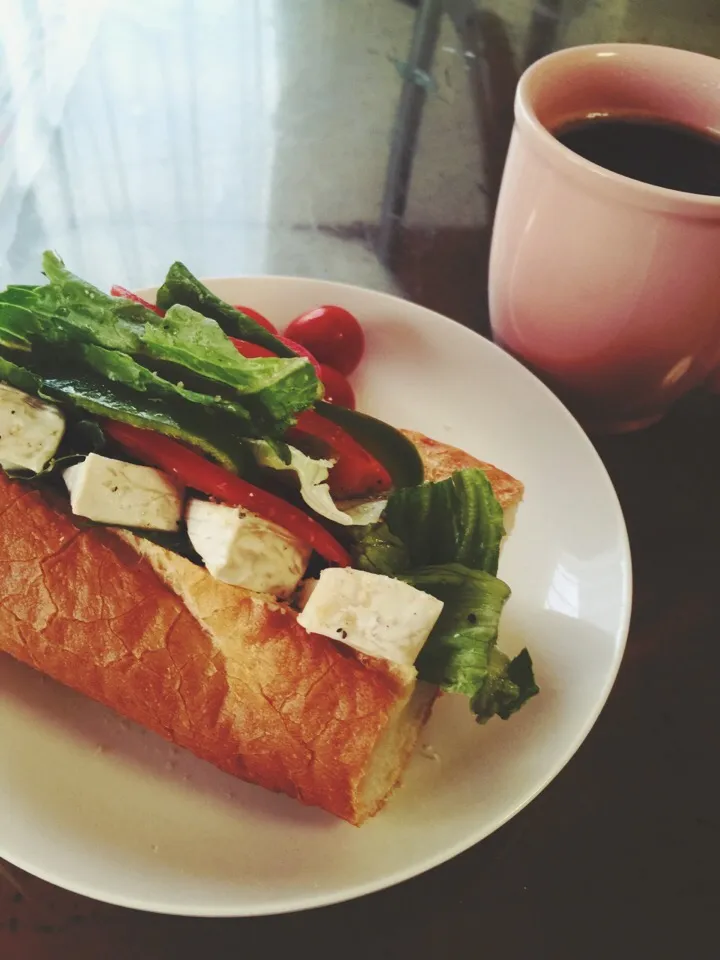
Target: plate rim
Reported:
point(355, 891)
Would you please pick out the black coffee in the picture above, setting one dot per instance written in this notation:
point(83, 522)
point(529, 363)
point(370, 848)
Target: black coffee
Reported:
point(664, 154)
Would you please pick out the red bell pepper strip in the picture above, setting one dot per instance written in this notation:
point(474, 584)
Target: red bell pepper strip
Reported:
point(310, 422)
point(251, 350)
point(356, 471)
point(117, 291)
point(193, 470)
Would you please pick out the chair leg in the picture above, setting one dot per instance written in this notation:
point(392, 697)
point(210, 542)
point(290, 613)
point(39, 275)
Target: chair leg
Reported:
point(543, 32)
point(493, 77)
point(407, 124)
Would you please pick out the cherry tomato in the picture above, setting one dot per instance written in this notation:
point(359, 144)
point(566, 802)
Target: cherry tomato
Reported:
point(337, 389)
point(257, 317)
point(332, 334)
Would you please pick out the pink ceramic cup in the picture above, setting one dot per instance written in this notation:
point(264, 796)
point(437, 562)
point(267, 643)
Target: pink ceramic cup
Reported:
point(607, 287)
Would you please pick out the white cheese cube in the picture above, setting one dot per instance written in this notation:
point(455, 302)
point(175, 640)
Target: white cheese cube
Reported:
point(123, 494)
point(242, 548)
point(30, 430)
point(374, 614)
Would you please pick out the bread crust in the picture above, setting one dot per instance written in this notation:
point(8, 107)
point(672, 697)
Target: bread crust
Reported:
point(224, 672)
point(440, 460)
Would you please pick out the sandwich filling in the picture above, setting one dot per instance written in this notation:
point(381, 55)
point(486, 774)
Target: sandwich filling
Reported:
point(156, 419)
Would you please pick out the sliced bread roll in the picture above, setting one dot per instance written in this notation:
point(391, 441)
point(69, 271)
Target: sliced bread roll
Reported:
point(226, 673)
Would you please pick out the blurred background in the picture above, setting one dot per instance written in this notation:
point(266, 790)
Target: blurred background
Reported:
point(357, 140)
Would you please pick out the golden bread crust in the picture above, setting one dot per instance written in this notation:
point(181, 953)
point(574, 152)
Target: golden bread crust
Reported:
point(440, 460)
point(257, 696)
point(224, 672)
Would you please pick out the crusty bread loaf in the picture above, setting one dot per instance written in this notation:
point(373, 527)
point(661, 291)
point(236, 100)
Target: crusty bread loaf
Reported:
point(227, 673)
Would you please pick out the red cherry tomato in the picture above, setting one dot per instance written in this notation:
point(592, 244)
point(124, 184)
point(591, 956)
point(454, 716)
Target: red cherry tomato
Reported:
point(332, 334)
point(337, 389)
point(257, 317)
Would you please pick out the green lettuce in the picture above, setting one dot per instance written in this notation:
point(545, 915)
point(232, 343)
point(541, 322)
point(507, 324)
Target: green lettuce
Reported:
point(377, 550)
point(17, 292)
point(105, 383)
point(181, 287)
point(273, 390)
point(460, 654)
point(444, 538)
point(310, 474)
point(396, 453)
point(183, 346)
point(457, 520)
point(510, 684)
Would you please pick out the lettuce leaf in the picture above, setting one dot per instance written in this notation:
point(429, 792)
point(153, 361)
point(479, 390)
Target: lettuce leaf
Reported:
point(187, 346)
point(109, 384)
point(396, 453)
point(363, 512)
point(461, 654)
point(181, 287)
point(444, 538)
point(311, 475)
point(19, 293)
point(377, 550)
point(510, 684)
point(457, 520)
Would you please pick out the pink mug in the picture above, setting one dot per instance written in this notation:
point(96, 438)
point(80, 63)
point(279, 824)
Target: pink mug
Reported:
point(607, 287)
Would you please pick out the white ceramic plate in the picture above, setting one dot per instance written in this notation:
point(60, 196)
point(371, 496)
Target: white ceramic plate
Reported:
point(99, 806)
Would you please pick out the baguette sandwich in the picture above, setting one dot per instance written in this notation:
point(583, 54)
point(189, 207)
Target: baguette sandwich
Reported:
point(192, 537)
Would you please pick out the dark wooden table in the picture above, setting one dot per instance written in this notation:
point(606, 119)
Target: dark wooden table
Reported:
point(123, 169)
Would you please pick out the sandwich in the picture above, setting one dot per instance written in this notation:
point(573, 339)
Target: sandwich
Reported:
point(191, 535)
